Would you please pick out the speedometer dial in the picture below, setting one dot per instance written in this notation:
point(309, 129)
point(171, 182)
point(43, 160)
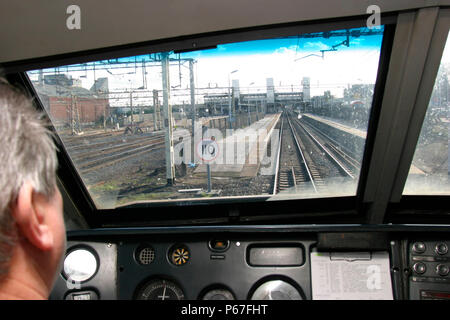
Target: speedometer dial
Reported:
point(159, 289)
point(276, 290)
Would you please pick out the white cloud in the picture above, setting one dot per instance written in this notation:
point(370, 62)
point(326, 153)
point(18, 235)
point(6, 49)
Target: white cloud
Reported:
point(315, 45)
point(334, 72)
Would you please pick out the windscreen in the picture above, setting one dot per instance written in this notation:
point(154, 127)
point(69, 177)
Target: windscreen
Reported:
point(282, 118)
point(430, 169)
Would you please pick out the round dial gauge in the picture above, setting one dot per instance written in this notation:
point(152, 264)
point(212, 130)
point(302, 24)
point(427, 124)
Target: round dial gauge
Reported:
point(218, 294)
point(80, 265)
point(276, 290)
point(160, 290)
point(180, 255)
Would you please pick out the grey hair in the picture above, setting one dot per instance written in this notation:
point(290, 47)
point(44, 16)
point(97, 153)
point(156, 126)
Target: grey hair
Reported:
point(27, 154)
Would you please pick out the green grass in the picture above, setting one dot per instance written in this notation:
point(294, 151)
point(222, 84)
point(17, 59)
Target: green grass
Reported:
point(105, 187)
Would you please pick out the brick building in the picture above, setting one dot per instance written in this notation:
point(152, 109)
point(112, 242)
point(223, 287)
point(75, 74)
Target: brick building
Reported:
point(65, 101)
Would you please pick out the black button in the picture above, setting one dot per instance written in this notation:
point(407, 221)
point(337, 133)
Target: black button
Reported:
point(420, 268)
point(441, 248)
point(442, 270)
point(419, 247)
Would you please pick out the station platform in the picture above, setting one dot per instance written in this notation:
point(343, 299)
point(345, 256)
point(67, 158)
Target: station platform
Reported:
point(337, 124)
point(244, 161)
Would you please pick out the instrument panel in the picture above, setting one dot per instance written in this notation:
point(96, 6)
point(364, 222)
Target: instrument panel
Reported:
point(430, 269)
point(215, 269)
point(209, 269)
point(205, 267)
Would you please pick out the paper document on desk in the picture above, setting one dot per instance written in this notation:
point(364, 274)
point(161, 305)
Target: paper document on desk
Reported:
point(351, 276)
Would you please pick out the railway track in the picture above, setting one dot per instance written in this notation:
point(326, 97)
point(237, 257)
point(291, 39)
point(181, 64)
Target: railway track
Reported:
point(345, 156)
point(292, 173)
point(106, 148)
point(73, 139)
point(345, 163)
point(107, 153)
point(110, 159)
point(307, 157)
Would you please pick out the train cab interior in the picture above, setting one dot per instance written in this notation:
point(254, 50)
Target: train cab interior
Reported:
point(238, 150)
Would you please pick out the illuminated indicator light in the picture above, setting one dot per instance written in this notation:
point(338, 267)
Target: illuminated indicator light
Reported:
point(219, 245)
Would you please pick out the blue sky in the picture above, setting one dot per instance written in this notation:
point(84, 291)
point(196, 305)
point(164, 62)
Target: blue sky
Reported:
point(277, 45)
point(271, 46)
point(255, 61)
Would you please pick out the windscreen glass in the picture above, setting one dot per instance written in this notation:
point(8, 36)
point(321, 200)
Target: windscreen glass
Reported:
point(429, 171)
point(268, 119)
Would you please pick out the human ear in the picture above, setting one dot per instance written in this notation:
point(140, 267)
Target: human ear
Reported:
point(29, 215)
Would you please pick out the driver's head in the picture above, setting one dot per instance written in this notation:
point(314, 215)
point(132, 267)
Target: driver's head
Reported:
point(32, 232)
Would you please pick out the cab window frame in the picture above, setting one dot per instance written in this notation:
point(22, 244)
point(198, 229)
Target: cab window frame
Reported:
point(351, 209)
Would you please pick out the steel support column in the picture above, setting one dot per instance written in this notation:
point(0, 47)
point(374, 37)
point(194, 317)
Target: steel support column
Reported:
point(155, 110)
point(192, 86)
point(168, 125)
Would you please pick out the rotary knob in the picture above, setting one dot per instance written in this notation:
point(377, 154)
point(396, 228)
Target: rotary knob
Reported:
point(441, 248)
point(419, 247)
point(442, 270)
point(419, 268)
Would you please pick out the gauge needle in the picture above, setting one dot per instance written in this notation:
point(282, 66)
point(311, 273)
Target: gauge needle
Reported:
point(164, 292)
